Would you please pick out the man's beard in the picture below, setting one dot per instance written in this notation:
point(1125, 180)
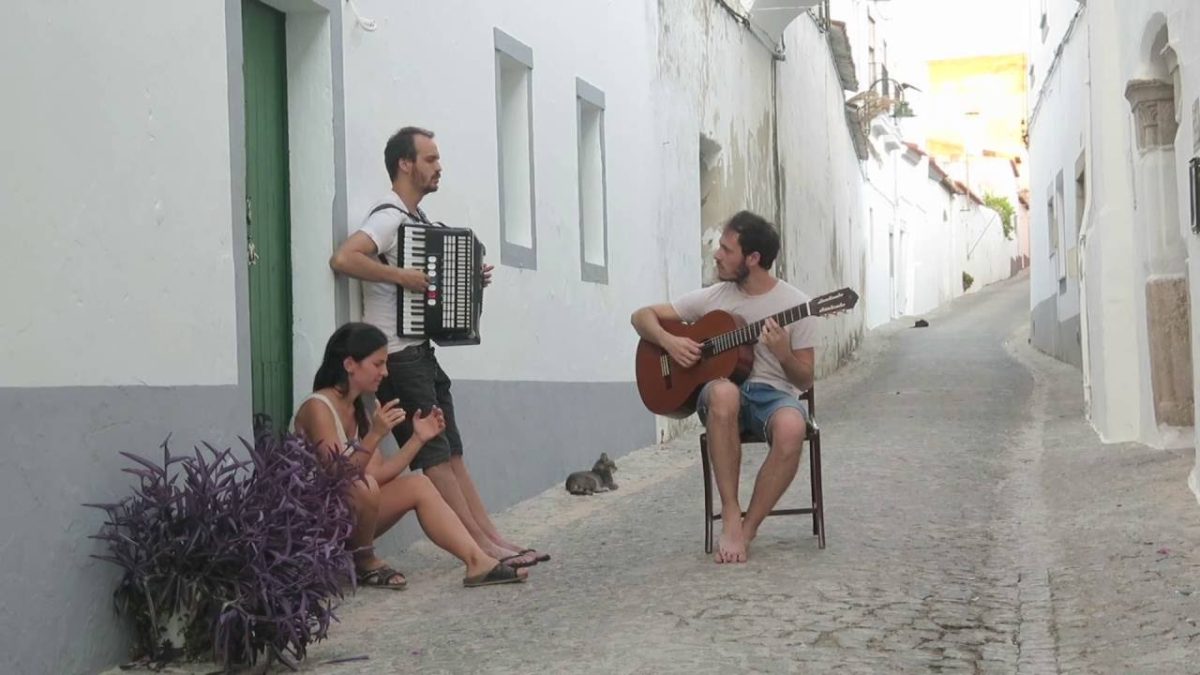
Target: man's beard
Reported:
point(739, 275)
point(430, 185)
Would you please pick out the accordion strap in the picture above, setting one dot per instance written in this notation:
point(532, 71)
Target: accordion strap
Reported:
point(421, 218)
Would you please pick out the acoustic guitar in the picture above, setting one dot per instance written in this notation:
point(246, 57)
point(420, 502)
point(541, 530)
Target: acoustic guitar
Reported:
point(726, 350)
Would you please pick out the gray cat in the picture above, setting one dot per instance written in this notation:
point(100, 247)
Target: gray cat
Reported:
point(599, 479)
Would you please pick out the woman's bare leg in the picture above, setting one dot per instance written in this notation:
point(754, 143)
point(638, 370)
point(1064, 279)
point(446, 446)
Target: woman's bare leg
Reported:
point(416, 492)
point(364, 499)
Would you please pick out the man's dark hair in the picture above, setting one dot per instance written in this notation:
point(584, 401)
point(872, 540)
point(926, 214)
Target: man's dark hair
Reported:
point(402, 145)
point(755, 235)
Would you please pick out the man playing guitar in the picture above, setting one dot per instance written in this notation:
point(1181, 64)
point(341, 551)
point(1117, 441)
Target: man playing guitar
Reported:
point(767, 403)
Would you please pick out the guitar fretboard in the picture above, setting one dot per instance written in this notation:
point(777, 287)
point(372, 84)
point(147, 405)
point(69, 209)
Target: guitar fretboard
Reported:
point(750, 333)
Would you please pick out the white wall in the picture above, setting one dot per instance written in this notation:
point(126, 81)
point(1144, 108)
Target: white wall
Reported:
point(713, 79)
point(879, 202)
point(822, 184)
point(116, 264)
point(987, 255)
point(937, 264)
point(1062, 106)
point(433, 65)
point(312, 184)
point(1185, 21)
point(683, 70)
point(1059, 14)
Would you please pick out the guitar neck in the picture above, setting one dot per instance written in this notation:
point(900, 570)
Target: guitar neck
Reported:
point(750, 333)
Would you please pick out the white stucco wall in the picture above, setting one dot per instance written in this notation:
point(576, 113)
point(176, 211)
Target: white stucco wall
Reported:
point(1042, 49)
point(987, 256)
point(713, 78)
point(1058, 137)
point(822, 184)
point(937, 264)
point(312, 184)
point(116, 264)
point(544, 324)
point(1185, 21)
point(879, 220)
point(684, 70)
point(1182, 20)
point(1133, 28)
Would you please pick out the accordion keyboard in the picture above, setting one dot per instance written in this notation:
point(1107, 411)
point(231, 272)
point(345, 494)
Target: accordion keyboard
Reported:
point(448, 311)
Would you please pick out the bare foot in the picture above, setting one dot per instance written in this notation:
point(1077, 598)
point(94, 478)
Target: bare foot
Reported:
point(748, 535)
point(511, 558)
point(731, 547)
point(503, 543)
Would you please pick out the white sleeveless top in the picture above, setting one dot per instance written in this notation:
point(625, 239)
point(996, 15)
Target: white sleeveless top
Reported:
point(347, 449)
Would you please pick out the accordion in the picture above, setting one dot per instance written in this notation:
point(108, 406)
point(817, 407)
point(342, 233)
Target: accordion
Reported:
point(448, 311)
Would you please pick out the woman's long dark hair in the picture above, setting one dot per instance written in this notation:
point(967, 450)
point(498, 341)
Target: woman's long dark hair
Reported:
point(358, 341)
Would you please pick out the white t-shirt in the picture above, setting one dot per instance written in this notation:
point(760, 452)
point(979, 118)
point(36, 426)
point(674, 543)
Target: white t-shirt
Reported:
point(728, 296)
point(379, 299)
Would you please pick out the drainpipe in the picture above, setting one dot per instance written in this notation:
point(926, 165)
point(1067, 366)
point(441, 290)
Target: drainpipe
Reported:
point(778, 170)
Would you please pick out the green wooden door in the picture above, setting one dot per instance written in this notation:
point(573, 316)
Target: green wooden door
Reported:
point(267, 217)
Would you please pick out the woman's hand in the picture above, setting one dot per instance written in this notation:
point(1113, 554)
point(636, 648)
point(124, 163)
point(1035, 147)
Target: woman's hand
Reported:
point(430, 425)
point(387, 416)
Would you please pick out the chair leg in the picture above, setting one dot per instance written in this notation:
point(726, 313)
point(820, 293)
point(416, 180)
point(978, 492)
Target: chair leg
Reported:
point(819, 492)
point(708, 504)
point(815, 482)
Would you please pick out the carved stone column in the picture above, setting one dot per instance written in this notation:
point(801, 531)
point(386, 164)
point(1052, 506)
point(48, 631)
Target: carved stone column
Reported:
point(1153, 103)
point(1168, 316)
point(1168, 305)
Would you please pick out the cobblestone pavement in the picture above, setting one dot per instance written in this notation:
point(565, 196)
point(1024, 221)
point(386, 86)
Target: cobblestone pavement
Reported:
point(975, 524)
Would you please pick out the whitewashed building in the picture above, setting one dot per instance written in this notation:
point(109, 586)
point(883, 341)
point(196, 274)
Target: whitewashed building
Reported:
point(1114, 136)
point(923, 227)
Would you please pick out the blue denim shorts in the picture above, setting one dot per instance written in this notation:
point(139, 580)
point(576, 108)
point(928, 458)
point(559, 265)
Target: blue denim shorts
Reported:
point(759, 402)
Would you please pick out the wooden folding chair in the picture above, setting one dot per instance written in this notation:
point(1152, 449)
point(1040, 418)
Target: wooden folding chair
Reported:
point(817, 510)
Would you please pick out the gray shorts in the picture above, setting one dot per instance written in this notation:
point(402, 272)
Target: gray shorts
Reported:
point(759, 403)
point(418, 381)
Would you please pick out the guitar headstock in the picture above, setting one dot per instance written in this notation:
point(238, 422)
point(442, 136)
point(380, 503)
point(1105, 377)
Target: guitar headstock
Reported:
point(842, 300)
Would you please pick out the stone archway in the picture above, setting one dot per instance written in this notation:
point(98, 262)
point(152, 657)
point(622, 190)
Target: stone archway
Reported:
point(1154, 105)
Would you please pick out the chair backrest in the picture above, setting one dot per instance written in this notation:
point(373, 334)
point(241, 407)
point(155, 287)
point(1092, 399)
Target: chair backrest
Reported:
point(811, 399)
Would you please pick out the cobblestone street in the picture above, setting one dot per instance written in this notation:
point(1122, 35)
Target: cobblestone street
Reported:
point(975, 524)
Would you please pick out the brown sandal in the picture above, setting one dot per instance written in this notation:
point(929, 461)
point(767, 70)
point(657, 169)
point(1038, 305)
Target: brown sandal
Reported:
point(500, 574)
point(381, 577)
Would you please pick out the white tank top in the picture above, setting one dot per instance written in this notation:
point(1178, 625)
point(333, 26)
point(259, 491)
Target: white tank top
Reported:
point(347, 449)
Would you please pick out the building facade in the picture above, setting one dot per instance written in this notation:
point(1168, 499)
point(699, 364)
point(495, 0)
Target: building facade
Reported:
point(1114, 133)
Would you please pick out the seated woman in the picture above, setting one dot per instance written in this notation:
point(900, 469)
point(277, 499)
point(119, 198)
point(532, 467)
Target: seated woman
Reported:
point(334, 415)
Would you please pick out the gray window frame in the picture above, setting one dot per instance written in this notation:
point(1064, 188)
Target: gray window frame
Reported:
point(587, 94)
point(508, 48)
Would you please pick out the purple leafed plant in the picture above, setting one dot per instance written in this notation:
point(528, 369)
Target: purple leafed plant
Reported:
point(233, 558)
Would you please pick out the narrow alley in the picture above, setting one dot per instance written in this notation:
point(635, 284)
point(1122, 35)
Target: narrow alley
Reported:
point(975, 525)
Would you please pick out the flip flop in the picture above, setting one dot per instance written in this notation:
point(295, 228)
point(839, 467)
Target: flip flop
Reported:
point(512, 561)
point(539, 557)
point(381, 577)
point(500, 574)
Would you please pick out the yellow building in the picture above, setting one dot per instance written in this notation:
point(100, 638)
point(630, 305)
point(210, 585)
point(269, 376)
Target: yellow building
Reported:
point(977, 105)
